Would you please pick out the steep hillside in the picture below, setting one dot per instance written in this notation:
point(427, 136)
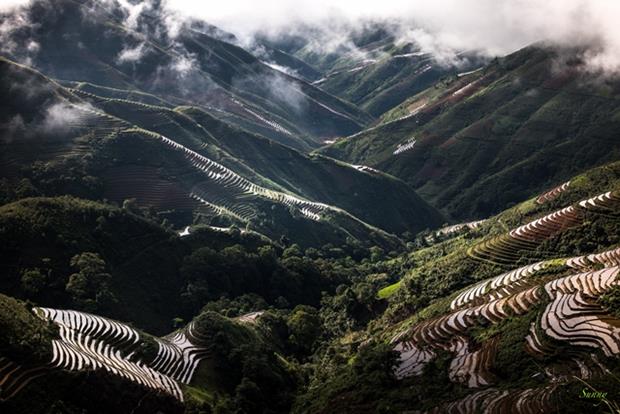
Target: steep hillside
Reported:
point(373, 69)
point(471, 144)
point(392, 75)
point(185, 64)
point(519, 315)
point(66, 252)
point(65, 358)
point(320, 217)
point(190, 164)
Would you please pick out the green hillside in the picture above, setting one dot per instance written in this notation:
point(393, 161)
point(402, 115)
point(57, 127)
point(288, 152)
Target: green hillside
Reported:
point(193, 67)
point(192, 167)
point(475, 140)
point(376, 70)
point(470, 325)
point(308, 215)
point(362, 352)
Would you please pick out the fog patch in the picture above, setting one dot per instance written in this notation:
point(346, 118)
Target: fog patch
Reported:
point(62, 116)
point(131, 54)
point(489, 27)
point(15, 38)
point(282, 89)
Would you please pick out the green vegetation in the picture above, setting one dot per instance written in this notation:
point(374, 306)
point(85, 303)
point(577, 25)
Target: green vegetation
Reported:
point(187, 205)
point(388, 291)
point(24, 336)
point(103, 156)
point(480, 138)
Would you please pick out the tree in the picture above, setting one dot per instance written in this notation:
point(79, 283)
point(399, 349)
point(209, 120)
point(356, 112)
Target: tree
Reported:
point(90, 286)
point(26, 189)
point(305, 327)
point(33, 281)
point(131, 205)
point(365, 293)
point(376, 254)
point(375, 364)
point(293, 251)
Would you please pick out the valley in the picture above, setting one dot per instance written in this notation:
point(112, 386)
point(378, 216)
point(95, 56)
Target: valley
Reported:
point(330, 216)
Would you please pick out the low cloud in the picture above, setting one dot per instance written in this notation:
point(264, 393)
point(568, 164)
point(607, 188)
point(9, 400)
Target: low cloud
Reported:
point(284, 69)
point(440, 26)
point(282, 89)
point(287, 92)
point(55, 120)
point(62, 116)
point(15, 39)
point(183, 77)
point(13, 128)
point(131, 54)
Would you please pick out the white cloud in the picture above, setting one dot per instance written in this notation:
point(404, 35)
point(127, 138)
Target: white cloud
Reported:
point(61, 116)
point(494, 27)
point(133, 12)
point(9, 4)
point(491, 26)
point(131, 54)
point(283, 69)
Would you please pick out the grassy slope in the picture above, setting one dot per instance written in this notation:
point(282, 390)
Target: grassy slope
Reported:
point(397, 74)
point(477, 147)
point(436, 274)
point(124, 162)
point(220, 73)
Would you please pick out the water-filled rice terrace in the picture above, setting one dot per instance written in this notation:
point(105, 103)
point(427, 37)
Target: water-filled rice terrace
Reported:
point(560, 296)
point(89, 342)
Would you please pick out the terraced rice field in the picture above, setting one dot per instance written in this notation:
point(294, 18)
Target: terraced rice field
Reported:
point(405, 146)
point(90, 342)
point(179, 354)
point(145, 185)
point(572, 316)
point(455, 228)
point(250, 318)
point(531, 400)
point(497, 287)
point(225, 186)
point(440, 333)
point(365, 168)
point(568, 313)
point(508, 248)
point(588, 262)
point(60, 141)
point(552, 194)
point(271, 124)
point(14, 377)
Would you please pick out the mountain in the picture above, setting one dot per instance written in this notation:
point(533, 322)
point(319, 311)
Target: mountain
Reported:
point(377, 69)
point(184, 161)
point(490, 316)
point(327, 220)
point(518, 313)
point(471, 143)
point(90, 41)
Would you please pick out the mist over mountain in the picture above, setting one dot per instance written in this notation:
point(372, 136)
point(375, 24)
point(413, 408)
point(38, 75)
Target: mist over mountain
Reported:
point(309, 207)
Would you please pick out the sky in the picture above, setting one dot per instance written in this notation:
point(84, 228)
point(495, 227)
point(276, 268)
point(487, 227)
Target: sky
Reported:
point(494, 27)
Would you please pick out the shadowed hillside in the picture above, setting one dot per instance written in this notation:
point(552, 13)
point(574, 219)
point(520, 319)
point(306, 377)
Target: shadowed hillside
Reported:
point(471, 144)
point(88, 41)
point(185, 163)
